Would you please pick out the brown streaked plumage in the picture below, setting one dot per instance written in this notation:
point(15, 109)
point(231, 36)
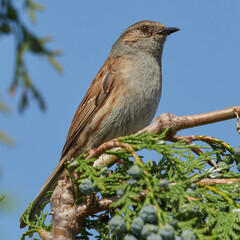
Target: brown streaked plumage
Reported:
point(122, 98)
point(96, 95)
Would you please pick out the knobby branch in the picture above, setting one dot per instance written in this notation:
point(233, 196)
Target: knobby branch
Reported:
point(67, 217)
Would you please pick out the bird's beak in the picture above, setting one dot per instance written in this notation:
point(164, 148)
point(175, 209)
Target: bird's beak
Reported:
point(168, 30)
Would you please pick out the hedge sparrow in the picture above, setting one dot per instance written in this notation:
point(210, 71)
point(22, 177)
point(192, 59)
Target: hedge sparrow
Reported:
point(122, 98)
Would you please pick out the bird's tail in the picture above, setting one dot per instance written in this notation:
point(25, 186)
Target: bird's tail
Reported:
point(58, 173)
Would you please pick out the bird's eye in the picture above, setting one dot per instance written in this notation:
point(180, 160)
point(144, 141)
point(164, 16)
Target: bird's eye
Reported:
point(144, 29)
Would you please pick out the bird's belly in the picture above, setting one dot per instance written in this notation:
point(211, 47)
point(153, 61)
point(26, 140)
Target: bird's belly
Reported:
point(130, 116)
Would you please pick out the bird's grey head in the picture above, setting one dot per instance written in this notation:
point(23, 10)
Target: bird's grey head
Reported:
point(147, 36)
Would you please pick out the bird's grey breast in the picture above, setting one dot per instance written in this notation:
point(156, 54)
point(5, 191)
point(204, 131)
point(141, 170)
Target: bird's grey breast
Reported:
point(137, 104)
point(144, 81)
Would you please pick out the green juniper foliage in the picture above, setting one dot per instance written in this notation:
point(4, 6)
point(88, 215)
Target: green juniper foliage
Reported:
point(166, 200)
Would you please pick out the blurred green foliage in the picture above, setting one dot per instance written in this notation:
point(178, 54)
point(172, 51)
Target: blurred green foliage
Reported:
point(11, 24)
point(4, 138)
point(26, 42)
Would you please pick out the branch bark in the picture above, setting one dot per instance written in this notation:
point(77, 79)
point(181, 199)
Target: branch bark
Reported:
point(177, 123)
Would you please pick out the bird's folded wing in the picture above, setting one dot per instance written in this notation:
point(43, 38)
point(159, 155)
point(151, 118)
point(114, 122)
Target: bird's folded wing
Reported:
point(99, 90)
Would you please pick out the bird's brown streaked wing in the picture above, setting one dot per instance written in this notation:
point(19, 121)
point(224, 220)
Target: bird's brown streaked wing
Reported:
point(96, 95)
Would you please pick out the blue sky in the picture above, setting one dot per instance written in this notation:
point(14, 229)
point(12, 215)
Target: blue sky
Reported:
point(200, 73)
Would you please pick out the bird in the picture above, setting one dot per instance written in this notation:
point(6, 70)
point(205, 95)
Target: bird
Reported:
point(121, 100)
